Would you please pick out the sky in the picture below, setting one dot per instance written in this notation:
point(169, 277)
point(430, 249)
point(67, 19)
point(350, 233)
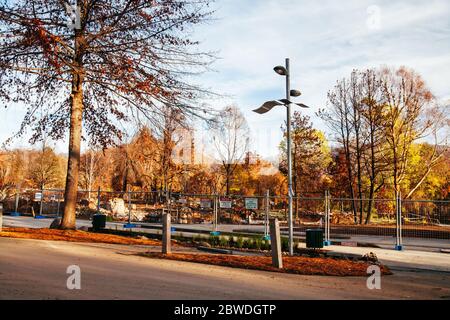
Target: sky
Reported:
point(325, 40)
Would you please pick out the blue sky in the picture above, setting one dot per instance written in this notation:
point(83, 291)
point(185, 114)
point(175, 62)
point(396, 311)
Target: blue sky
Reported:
point(324, 39)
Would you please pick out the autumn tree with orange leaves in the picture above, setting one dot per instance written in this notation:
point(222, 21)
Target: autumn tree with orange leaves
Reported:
point(115, 61)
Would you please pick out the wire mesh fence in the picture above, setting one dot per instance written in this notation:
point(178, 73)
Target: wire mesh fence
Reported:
point(343, 218)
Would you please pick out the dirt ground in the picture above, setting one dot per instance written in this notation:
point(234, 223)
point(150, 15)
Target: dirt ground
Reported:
point(73, 236)
point(296, 265)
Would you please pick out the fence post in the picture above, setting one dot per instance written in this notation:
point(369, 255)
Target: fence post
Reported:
point(16, 207)
point(166, 236)
point(217, 211)
point(275, 241)
point(399, 241)
point(98, 200)
point(1, 216)
point(129, 206)
point(327, 241)
point(266, 219)
point(214, 215)
point(58, 205)
point(42, 199)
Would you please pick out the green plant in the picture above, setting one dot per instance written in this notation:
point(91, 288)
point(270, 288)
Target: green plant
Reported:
point(223, 241)
point(239, 242)
point(266, 245)
point(284, 244)
point(214, 240)
point(258, 243)
point(231, 242)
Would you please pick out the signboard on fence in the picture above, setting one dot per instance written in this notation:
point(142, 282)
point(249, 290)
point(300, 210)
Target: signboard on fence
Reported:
point(38, 196)
point(225, 203)
point(205, 203)
point(251, 203)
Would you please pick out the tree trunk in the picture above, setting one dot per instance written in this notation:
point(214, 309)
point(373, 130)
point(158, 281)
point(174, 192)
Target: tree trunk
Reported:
point(228, 174)
point(73, 164)
point(370, 204)
point(76, 116)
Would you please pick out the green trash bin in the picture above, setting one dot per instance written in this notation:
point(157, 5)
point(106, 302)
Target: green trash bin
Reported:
point(314, 238)
point(98, 221)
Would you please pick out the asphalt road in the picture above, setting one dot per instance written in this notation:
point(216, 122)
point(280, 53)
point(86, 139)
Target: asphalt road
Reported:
point(36, 269)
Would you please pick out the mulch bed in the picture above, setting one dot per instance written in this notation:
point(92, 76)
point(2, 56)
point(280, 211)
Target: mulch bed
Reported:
point(74, 236)
point(296, 265)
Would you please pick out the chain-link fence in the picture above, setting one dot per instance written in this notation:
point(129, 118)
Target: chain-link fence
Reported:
point(344, 220)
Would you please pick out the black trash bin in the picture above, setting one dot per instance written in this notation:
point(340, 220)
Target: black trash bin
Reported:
point(98, 221)
point(314, 238)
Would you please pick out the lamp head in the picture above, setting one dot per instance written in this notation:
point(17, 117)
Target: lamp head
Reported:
point(295, 93)
point(280, 70)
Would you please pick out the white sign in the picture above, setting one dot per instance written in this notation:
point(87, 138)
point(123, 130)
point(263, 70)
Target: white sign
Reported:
point(38, 196)
point(225, 203)
point(182, 200)
point(205, 203)
point(251, 203)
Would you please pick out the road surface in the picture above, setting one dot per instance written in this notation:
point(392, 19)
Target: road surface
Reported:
point(36, 269)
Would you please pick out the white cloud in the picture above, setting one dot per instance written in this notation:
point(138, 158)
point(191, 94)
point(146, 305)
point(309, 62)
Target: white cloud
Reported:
point(325, 41)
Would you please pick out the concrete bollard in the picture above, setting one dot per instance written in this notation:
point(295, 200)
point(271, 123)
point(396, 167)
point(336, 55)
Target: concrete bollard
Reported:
point(275, 241)
point(166, 236)
point(1, 216)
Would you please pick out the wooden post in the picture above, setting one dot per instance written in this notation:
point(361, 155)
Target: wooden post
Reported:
point(166, 236)
point(275, 240)
point(1, 216)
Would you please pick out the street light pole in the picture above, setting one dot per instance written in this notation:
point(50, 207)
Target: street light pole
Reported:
point(289, 159)
point(266, 107)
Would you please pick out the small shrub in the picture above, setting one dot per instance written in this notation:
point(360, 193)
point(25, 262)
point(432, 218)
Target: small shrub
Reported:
point(214, 240)
point(266, 245)
point(223, 241)
point(284, 244)
point(258, 244)
point(239, 242)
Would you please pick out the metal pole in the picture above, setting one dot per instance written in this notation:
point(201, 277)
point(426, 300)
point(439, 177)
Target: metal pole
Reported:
point(266, 220)
point(399, 244)
point(98, 200)
point(166, 235)
point(59, 205)
point(42, 199)
point(398, 221)
point(17, 202)
point(129, 206)
point(325, 217)
point(214, 213)
point(289, 159)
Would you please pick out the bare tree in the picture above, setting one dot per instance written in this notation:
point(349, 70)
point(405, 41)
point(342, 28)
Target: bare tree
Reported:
point(230, 135)
point(339, 119)
point(115, 60)
point(89, 169)
point(373, 131)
